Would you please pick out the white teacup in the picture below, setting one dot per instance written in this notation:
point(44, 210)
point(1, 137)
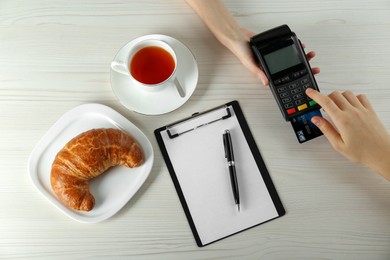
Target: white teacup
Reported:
point(146, 64)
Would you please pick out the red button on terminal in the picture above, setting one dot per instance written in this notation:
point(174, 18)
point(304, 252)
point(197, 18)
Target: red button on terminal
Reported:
point(291, 111)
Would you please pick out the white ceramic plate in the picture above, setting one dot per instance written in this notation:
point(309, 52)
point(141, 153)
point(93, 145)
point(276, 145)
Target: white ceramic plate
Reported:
point(160, 102)
point(113, 189)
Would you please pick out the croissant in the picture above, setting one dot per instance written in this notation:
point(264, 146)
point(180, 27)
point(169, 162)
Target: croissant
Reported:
point(87, 156)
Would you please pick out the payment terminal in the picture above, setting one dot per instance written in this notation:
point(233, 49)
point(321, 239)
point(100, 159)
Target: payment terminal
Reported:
point(280, 54)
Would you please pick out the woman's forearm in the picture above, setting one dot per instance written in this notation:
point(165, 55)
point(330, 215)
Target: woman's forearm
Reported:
point(226, 29)
point(218, 19)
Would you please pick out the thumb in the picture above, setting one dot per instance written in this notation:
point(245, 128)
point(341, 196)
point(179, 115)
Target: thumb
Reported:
point(328, 130)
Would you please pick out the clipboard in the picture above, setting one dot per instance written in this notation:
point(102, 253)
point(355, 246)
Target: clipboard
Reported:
point(193, 151)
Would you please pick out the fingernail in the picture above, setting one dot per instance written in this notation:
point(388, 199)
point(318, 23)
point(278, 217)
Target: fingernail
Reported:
point(316, 121)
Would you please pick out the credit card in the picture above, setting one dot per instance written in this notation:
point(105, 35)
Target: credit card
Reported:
point(304, 129)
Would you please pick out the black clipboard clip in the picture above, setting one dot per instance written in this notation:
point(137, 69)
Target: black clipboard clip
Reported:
point(168, 127)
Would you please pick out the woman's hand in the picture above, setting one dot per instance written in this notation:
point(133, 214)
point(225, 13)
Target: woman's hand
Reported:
point(241, 48)
point(358, 134)
point(226, 29)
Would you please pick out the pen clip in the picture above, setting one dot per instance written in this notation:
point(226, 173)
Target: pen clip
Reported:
point(225, 144)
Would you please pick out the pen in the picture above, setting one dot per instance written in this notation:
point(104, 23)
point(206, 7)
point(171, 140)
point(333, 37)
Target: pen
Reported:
point(229, 155)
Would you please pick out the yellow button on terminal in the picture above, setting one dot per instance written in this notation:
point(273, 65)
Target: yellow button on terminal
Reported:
point(302, 107)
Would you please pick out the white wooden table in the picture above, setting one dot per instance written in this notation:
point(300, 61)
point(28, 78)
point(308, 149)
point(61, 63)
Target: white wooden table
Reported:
point(55, 55)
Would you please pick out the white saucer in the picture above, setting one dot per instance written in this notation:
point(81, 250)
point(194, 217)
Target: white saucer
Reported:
point(166, 100)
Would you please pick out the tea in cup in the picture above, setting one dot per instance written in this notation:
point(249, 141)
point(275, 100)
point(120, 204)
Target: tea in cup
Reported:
point(151, 64)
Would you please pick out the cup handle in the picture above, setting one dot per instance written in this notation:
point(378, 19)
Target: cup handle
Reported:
point(179, 88)
point(120, 66)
